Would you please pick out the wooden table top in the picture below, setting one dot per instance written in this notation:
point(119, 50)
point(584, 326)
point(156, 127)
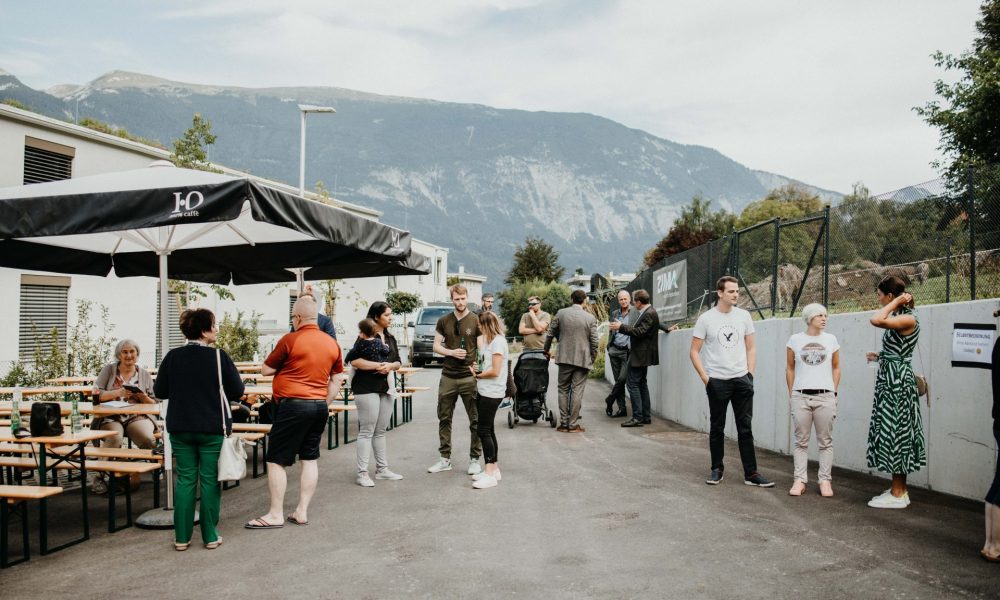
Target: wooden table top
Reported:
point(409, 370)
point(260, 390)
point(50, 389)
point(72, 380)
point(102, 410)
point(88, 435)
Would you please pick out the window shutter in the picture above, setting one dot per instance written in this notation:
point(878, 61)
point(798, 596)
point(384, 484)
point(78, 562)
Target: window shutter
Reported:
point(46, 161)
point(43, 308)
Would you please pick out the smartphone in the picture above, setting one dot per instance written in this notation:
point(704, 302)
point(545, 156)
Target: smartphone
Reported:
point(133, 389)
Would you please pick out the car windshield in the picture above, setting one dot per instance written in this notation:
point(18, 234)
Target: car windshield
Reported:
point(430, 316)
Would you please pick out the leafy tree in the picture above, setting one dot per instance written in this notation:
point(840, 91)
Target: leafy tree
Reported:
point(698, 224)
point(452, 280)
point(968, 118)
point(403, 303)
point(240, 340)
point(189, 150)
point(756, 247)
point(514, 300)
point(88, 352)
point(535, 260)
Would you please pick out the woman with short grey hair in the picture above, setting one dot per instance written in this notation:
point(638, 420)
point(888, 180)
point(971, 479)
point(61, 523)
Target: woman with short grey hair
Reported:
point(124, 380)
point(812, 372)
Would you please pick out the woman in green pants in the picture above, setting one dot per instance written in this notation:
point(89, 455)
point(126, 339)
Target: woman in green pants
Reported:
point(189, 377)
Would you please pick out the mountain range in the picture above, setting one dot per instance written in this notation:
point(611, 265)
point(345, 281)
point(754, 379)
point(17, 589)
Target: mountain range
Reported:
point(475, 179)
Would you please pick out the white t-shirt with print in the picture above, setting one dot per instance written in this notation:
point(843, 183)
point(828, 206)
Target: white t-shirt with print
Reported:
point(494, 387)
point(724, 354)
point(813, 360)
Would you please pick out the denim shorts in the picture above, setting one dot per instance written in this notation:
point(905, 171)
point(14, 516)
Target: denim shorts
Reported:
point(297, 430)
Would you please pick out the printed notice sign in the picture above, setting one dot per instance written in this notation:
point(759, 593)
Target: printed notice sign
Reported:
point(972, 345)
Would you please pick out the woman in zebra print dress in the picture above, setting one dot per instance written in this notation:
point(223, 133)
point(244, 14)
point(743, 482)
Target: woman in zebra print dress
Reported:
point(896, 432)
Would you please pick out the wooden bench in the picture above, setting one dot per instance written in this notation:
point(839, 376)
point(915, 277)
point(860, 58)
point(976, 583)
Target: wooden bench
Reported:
point(11, 496)
point(92, 452)
point(117, 469)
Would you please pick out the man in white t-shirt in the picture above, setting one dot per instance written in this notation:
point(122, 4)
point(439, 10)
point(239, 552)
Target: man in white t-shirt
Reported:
point(726, 335)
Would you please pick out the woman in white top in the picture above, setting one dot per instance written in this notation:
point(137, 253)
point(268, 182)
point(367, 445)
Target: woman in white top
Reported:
point(813, 375)
point(491, 383)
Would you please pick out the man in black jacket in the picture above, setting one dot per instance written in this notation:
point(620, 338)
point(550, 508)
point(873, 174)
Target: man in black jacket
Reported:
point(644, 353)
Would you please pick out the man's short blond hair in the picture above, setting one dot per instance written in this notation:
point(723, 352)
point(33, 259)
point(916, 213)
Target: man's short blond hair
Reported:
point(459, 289)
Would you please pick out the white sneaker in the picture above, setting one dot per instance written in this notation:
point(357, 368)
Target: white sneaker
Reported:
point(474, 468)
point(484, 482)
point(364, 480)
point(887, 500)
point(479, 476)
point(387, 474)
point(442, 464)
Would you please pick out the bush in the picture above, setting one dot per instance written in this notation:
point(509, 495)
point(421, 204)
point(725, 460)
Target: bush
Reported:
point(514, 300)
point(597, 372)
point(241, 342)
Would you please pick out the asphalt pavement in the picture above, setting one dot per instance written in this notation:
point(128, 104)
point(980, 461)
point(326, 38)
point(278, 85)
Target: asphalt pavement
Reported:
point(609, 513)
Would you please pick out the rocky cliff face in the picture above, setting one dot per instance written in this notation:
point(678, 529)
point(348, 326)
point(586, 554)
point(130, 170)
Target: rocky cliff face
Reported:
point(469, 177)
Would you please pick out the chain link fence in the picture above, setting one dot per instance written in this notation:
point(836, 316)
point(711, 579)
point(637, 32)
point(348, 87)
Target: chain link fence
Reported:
point(942, 240)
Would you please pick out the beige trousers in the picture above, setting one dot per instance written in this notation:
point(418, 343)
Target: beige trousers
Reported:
point(810, 412)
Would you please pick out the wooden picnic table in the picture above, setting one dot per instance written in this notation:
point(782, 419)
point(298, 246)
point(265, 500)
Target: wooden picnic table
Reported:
point(80, 440)
point(72, 380)
point(52, 389)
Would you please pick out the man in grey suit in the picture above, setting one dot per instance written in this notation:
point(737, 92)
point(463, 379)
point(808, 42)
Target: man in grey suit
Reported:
point(576, 330)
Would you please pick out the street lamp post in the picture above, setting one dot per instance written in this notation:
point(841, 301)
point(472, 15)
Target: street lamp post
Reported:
point(303, 109)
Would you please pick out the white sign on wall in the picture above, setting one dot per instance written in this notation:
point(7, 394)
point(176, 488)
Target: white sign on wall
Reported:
point(972, 345)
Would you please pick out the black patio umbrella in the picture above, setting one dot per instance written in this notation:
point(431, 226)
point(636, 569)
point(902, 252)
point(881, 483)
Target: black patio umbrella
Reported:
point(167, 222)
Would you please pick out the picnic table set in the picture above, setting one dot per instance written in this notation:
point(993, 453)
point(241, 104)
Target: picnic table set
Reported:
point(22, 452)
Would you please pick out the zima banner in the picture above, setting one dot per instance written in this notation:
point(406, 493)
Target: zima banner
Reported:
point(670, 291)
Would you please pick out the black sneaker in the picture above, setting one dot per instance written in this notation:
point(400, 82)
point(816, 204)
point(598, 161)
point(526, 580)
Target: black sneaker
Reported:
point(715, 478)
point(758, 480)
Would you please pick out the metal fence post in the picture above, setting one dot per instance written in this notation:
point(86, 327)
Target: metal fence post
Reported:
point(971, 211)
point(826, 255)
point(947, 273)
point(774, 266)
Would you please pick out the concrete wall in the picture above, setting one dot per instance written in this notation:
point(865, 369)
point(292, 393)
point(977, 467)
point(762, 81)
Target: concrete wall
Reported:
point(960, 447)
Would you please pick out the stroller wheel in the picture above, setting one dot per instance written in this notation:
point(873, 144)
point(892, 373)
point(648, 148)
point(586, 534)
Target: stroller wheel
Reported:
point(552, 420)
point(510, 420)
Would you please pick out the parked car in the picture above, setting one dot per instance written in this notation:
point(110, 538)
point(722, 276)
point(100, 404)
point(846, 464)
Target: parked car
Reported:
point(422, 351)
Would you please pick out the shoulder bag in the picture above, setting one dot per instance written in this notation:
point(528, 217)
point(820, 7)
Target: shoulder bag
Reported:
point(232, 455)
point(923, 388)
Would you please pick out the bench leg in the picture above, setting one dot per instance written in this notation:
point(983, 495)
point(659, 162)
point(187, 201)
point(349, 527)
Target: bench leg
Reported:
point(329, 432)
point(5, 514)
point(156, 489)
point(347, 439)
point(255, 445)
point(112, 508)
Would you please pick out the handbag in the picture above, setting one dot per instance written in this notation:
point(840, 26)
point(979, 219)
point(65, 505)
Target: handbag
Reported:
point(46, 419)
point(923, 388)
point(232, 455)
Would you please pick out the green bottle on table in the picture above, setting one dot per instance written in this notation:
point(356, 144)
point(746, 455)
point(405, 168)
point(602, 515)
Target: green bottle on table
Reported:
point(75, 421)
point(15, 411)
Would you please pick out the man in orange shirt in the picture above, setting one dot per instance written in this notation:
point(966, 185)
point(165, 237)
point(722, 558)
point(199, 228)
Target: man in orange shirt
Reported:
point(306, 365)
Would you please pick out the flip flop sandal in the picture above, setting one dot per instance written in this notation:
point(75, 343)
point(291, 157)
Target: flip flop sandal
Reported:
point(262, 524)
point(215, 544)
point(292, 519)
point(988, 558)
point(181, 547)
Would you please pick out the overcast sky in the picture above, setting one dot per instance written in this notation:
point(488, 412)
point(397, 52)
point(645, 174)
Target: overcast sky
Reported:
point(821, 92)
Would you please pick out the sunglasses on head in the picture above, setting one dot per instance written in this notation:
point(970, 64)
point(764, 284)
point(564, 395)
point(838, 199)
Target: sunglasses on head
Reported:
point(533, 303)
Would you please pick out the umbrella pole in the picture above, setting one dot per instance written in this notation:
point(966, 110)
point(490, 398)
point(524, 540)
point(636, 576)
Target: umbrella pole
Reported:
point(300, 280)
point(163, 518)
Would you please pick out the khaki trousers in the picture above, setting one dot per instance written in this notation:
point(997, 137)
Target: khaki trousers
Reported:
point(810, 412)
point(572, 381)
point(448, 392)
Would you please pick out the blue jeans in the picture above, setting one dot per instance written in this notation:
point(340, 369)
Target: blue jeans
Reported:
point(638, 391)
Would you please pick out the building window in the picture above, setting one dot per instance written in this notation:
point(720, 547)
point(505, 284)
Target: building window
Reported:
point(392, 282)
point(175, 338)
point(438, 268)
point(44, 301)
point(46, 161)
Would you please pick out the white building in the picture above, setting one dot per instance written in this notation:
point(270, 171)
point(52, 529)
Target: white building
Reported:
point(35, 148)
point(472, 282)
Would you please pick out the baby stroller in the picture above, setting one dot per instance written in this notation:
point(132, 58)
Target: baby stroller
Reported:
point(531, 377)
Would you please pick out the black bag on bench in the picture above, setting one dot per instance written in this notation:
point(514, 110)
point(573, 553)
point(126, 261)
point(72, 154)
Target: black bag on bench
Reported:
point(46, 419)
